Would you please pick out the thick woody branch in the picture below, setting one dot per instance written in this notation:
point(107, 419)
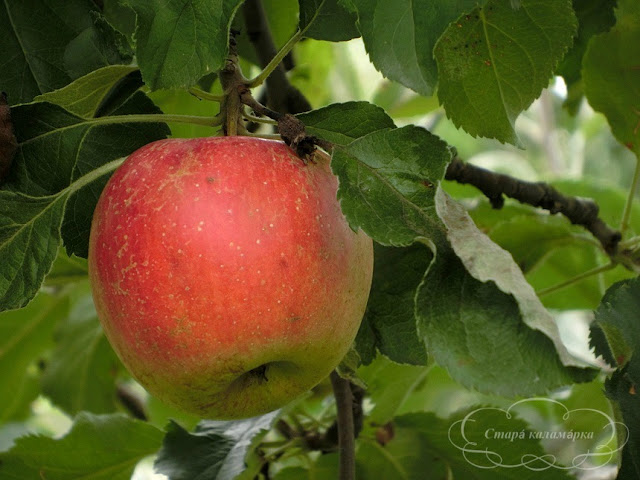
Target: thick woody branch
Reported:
point(282, 96)
point(580, 211)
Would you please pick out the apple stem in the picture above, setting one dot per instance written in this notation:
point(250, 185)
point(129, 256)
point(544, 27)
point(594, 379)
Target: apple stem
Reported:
point(237, 94)
point(346, 430)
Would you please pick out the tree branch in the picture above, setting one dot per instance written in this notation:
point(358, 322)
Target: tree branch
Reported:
point(579, 211)
point(282, 96)
point(346, 433)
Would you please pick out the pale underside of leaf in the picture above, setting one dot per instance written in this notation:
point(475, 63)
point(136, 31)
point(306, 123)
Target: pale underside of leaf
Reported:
point(488, 262)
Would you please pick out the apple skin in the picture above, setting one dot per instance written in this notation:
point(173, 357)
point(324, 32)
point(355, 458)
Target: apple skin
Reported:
point(224, 274)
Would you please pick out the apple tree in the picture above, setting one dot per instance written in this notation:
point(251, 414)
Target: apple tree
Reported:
point(489, 148)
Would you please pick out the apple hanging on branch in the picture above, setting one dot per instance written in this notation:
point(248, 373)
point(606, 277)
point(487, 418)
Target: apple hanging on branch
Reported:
point(224, 273)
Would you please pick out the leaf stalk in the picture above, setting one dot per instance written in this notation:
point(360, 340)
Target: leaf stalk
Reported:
point(576, 279)
point(275, 61)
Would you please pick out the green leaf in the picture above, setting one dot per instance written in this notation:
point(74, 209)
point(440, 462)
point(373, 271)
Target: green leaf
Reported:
point(98, 46)
point(390, 321)
point(400, 37)
point(122, 17)
point(388, 186)
point(29, 241)
point(530, 238)
point(67, 269)
point(526, 232)
point(388, 180)
point(341, 123)
point(612, 77)
point(35, 36)
point(25, 335)
point(623, 390)
point(327, 20)
point(482, 320)
point(80, 372)
point(323, 467)
point(494, 61)
point(100, 447)
point(30, 237)
point(74, 147)
point(122, 93)
point(181, 102)
point(616, 319)
point(480, 335)
point(405, 457)
point(180, 41)
point(83, 96)
point(594, 16)
point(106, 142)
point(215, 450)
point(389, 385)
point(445, 440)
point(565, 261)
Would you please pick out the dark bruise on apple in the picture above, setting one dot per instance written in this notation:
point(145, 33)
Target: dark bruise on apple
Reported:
point(224, 273)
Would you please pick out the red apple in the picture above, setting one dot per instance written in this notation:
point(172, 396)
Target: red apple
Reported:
point(224, 273)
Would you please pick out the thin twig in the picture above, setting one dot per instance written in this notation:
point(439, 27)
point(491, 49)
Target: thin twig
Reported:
point(579, 211)
point(346, 434)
